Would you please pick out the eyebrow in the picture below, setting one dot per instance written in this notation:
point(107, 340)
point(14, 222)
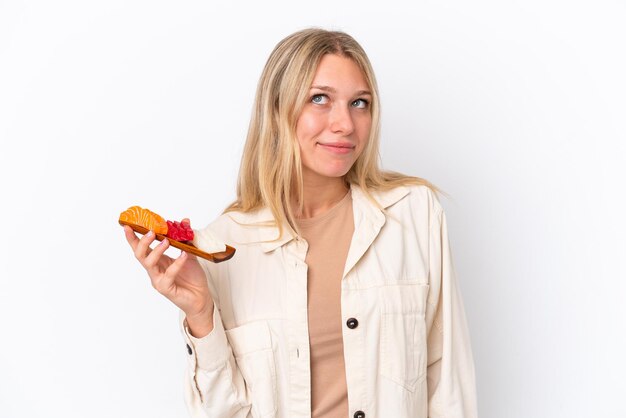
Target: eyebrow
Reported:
point(333, 90)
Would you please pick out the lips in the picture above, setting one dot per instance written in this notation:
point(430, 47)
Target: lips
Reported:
point(337, 147)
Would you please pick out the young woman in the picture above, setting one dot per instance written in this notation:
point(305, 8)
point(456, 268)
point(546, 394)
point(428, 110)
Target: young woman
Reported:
point(341, 300)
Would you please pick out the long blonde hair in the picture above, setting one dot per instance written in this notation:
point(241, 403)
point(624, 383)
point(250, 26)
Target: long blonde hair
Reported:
point(270, 174)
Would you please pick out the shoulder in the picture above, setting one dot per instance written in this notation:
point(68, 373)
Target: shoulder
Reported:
point(425, 197)
point(237, 228)
point(237, 219)
point(416, 198)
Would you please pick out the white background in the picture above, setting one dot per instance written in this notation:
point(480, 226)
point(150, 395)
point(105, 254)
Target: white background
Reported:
point(516, 109)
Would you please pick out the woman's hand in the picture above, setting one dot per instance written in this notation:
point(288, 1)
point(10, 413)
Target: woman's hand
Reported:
point(181, 280)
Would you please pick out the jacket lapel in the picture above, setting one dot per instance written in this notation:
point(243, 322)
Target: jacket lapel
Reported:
point(368, 220)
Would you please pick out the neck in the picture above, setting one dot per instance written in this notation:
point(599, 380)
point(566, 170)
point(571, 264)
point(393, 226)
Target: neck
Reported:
point(320, 195)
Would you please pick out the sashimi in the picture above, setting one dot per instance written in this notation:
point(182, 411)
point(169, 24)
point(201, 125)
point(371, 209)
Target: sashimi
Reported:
point(146, 218)
point(180, 231)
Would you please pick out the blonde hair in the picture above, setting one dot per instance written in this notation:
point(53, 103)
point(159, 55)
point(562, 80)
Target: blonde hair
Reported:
point(270, 174)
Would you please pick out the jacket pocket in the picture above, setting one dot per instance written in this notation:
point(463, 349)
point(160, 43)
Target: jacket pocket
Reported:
point(252, 348)
point(403, 333)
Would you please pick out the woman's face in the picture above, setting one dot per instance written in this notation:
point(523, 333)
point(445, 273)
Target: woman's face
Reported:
point(335, 123)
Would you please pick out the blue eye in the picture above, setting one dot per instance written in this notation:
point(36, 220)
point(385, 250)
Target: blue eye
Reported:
point(319, 99)
point(360, 103)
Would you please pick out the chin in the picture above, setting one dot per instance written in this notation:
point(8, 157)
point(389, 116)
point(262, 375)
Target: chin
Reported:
point(336, 173)
point(330, 170)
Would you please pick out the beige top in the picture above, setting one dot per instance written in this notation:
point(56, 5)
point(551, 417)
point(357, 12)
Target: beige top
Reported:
point(328, 237)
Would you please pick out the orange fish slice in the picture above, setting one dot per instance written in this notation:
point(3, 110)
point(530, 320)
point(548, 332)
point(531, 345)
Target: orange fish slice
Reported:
point(146, 218)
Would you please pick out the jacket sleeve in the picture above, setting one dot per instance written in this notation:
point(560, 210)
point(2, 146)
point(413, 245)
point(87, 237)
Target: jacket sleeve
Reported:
point(214, 386)
point(450, 371)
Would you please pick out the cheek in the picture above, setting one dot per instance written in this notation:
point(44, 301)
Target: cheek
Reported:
point(363, 131)
point(308, 126)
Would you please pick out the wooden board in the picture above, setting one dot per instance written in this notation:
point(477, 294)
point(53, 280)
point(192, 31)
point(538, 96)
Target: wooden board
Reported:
point(192, 249)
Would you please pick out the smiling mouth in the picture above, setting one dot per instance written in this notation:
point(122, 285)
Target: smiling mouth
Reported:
point(347, 146)
point(337, 148)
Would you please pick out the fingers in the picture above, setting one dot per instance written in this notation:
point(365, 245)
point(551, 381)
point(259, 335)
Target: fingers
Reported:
point(152, 260)
point(142, 249)
point(166, 282)
point(162, 275)
point(130, 237)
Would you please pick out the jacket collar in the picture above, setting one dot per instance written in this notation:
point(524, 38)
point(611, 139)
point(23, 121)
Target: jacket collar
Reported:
point(368, 219)
point(259, 227)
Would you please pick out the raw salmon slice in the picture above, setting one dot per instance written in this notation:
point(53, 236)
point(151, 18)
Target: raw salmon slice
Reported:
point(145, 218)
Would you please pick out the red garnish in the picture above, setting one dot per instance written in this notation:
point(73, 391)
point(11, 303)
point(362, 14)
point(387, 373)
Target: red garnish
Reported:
point(180, 231)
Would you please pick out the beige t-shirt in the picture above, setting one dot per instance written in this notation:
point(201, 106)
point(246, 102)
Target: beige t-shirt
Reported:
point(328, 236)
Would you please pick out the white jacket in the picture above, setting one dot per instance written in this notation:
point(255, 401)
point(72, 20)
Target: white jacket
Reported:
point(410, 354)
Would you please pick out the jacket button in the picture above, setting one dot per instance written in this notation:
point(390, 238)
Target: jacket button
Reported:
point(352, 323)
point(189, 349)
point(359, 414)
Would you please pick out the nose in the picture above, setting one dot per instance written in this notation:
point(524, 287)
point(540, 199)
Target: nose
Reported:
point(340, 120)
